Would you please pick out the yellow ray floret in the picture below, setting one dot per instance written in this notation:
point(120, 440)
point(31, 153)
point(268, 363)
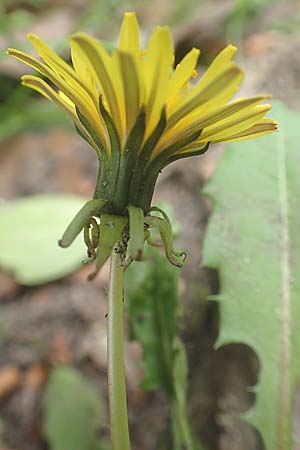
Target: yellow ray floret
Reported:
point(181, 76)
point(157, 67)
point(178, 114)
point(204, 117)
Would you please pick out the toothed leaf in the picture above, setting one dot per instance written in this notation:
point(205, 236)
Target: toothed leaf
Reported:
point(253, 240)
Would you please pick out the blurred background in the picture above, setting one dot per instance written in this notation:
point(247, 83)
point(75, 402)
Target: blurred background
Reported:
point(50, 315)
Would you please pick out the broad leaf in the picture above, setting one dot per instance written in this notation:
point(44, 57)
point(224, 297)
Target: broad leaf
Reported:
point(73, 412)
point(253, 240)
point(29, 232)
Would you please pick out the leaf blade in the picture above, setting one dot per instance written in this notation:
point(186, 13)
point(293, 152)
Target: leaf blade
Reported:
point(253, 241)
point(29, 233)
point(152, 303)
point(73, 421)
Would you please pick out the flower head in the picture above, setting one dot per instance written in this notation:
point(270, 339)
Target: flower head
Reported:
point(139, 113)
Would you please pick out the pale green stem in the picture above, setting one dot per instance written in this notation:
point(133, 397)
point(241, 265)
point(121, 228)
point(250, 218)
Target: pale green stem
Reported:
point(115, 347)
point(183, 425)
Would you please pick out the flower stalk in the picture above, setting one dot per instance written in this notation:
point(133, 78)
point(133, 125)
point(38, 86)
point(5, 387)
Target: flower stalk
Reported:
point(115, 347)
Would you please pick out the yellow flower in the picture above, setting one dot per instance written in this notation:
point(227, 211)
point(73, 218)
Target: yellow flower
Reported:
point(138, 112)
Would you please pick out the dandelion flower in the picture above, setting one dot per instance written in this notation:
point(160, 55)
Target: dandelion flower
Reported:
point(138, 112)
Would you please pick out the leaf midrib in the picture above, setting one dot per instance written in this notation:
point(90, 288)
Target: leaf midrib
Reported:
point(283, 409)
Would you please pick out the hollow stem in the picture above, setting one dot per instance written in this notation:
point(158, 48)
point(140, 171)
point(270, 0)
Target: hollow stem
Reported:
point(115, 347)
point(183, 426)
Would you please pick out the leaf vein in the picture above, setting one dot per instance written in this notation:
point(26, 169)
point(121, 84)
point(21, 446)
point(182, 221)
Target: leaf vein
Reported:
point(285, 358)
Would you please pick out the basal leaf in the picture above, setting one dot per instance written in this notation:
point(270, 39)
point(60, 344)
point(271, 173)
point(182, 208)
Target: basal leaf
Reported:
point(181, 429)
point(152, 302)
point(253, 240)
point(73, 412)
point(29, 232)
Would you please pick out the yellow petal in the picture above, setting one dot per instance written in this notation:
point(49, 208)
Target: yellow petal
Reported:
point(37, 84)
point(129, 38)
point(157, 67)
point(67, 100)
point(81, 67)
point(119, 87)
point(60, 66)
point(219, 90)
point(182, 74)
point(204, 117)
point(129, 42)
point(236, 123)
point(222, 60)
point(102, 66)
point(224, 112)
point(47, 91)
point(74, 91)
point(131, 87)
point(260, 129)
point(219, 66)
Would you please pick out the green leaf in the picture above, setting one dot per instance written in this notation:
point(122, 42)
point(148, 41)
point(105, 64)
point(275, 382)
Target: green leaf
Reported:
point(253, 239)
point(180, 425)
point(152, 302)
point(73, 412)
point(29, 232)
point(180, 373)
